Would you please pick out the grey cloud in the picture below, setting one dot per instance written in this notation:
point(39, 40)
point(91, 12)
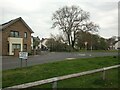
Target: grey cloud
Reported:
point(38, 14)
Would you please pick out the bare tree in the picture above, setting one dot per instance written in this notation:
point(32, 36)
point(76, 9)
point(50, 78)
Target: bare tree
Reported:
point(91, 26)
point(71, 20)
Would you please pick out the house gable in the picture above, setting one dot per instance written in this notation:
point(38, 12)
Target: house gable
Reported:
point(5, 25)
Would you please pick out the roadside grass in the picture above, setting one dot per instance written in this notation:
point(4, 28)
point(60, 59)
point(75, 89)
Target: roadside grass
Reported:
point(99, 51)
point(88, 81)
point(92, 81)
point(49, 70)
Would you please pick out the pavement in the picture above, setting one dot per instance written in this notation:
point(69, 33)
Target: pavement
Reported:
point(11, 62)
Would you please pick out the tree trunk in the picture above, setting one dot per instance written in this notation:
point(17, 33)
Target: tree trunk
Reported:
point(69, 39)
point(73, 41)
point(72, 44)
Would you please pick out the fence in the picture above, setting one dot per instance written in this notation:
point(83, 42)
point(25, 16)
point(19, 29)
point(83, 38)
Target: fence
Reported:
point(56, 79)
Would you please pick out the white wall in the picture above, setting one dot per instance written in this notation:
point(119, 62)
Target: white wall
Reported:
point(13, 40)
point(117, 45)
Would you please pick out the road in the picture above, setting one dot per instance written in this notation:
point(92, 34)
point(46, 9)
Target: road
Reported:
point(10, 62)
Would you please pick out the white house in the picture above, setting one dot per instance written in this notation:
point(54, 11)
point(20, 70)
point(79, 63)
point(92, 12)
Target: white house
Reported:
point(43, 45)
point(117, 45)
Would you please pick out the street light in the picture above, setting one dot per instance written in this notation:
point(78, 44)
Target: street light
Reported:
point(86, 45)
point(91, 43)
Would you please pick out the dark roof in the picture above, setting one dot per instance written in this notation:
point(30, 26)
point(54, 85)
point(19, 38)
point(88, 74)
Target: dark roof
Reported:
point(36, 38)
point(116, 41)
point(5, 25)
point(44, 39)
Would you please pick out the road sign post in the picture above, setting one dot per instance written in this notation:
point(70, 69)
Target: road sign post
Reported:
point(20, 62)
point(23, 56)
point(26, 62)
point(86, 45)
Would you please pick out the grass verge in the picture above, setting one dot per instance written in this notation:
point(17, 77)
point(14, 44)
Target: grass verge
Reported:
point(88, 81)
point(48, 70)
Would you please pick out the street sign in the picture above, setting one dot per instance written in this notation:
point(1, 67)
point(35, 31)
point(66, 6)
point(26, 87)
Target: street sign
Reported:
point(23, 55)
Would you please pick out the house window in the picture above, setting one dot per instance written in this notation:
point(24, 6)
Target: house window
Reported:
point(16, 46)
point(25, 47)
point(14, 34)
point(25, 34)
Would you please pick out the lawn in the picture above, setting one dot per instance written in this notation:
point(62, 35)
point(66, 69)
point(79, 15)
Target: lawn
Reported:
point(99, 51)
point(88, 81)
point(48, 70)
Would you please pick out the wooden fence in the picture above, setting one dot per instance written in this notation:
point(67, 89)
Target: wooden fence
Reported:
point(56, 79)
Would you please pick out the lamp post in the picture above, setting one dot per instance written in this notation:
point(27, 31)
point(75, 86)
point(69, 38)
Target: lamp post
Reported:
point(91, 47)
point(91, 44)
point(86, 45)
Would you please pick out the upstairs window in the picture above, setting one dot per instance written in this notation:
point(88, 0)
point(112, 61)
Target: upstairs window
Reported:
point(25, 34)
point(14, 34)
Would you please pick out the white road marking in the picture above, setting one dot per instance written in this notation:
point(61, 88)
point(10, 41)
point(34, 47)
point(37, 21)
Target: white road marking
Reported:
point(90, 55)
point(81, 54)
point(70, 58)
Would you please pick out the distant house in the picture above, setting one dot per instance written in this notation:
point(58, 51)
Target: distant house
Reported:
point(117, 45)
point(43, 43)
point(16, 34)
point(111, 46)
point(36, 42)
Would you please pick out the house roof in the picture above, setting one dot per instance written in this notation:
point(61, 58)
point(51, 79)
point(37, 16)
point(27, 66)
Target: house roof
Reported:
point(36, 38)
point(116, 41)
point(5, 25)
point(43, 39)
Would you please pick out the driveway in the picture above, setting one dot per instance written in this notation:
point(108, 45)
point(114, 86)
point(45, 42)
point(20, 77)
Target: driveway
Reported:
point(11, 62)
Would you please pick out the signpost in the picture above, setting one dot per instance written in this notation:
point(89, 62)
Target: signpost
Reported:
point(23, 55)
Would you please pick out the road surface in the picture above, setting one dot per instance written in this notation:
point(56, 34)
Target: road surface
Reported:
point(10, 62)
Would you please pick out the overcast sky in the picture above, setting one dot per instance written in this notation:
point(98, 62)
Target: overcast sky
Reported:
point(38, 13)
